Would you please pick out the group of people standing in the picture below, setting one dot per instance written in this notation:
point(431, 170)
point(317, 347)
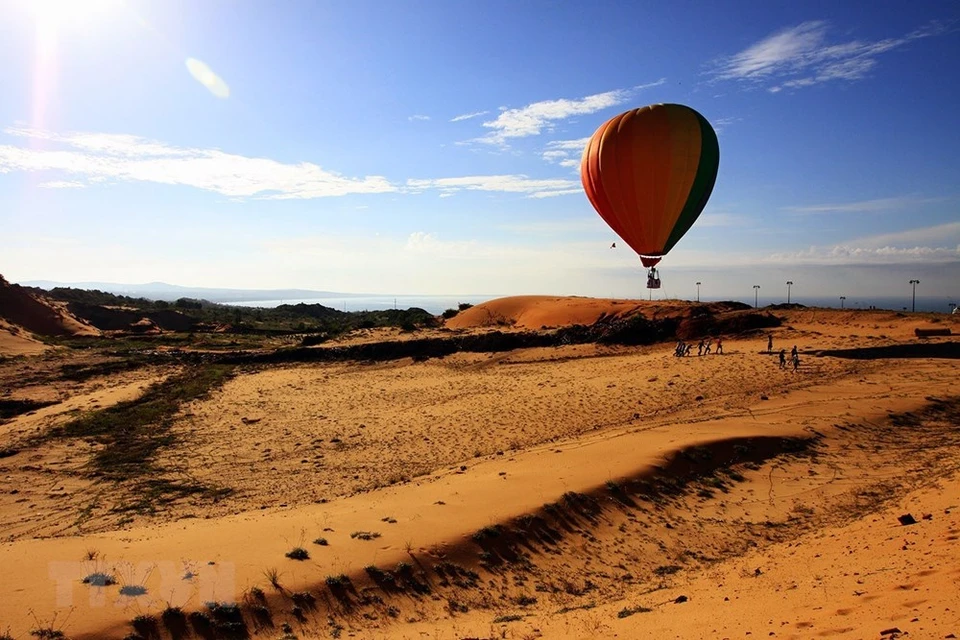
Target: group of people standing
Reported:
point(703, 349)
point(706, 346)
point(794, 355)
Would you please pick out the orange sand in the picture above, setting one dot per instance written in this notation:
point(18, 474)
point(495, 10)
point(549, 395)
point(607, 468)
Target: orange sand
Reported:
point(802, 547)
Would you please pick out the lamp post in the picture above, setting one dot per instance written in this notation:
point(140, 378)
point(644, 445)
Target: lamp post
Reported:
point(789, 284)
point(914, 283)
point(842, 298)
point(756, 293)
point(698, 292)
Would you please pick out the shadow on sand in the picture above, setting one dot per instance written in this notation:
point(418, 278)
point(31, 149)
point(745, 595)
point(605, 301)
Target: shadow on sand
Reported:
point(949, 350)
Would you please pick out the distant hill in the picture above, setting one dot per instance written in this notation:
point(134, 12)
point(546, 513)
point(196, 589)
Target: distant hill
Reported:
point(171, 292)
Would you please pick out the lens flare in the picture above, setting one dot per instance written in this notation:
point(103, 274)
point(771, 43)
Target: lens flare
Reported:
point(205, 76)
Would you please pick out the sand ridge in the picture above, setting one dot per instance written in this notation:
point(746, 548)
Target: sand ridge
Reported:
point(427, 455)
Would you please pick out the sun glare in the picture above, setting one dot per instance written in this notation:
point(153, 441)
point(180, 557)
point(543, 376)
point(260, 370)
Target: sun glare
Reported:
point(52, 15)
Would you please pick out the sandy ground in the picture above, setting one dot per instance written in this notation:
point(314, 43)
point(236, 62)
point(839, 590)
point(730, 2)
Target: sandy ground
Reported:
point(15, 341)
point(428, 454)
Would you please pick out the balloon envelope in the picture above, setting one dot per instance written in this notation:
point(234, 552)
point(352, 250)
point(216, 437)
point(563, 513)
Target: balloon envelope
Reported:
point(649, 173)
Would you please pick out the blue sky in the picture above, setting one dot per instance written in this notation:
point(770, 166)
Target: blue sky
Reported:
point(433, 147)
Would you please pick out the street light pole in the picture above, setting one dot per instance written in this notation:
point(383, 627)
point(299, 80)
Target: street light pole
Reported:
point(914, 283)
point(756, 293)
point(842, 298)
point(789, 284)
point(698, 292)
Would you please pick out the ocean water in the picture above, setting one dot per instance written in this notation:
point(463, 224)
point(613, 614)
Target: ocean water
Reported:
point(438, 304)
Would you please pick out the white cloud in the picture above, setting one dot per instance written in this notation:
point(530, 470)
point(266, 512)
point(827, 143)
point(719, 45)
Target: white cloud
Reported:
point(99, 157)
point(537, 188)
point(722, 123)
point(468, 116)
point(566, 153)
point(935, 245)
point(569, 145)
point(866, 206)
point(62, 184)
point(851, 254)
point(803, 56)
point(532, 119)
point(418, 118)
point(942, 236)
point(930, 245)
point(551, 194)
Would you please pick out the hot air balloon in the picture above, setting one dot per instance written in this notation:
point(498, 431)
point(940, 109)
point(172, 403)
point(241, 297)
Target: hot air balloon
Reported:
point(649, 172)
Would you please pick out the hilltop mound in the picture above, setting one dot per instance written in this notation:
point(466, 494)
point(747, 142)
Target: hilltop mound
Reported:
point(539, 312)
point(38, 314)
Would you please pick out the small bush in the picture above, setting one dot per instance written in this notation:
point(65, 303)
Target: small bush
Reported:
point(273, 576)
point(298, 553)
point(492, 531)
point(365, 535)
point(146, 626)
point(512, 618)
point(304, 600)
point(321, 541)
point(339, 581)
point(99, 579)
point(626, 612)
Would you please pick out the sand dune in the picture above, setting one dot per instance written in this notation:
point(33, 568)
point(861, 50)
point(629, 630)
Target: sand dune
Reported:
point(17, 341)
point(19, 307)
point(536, 312)
point(570, 492)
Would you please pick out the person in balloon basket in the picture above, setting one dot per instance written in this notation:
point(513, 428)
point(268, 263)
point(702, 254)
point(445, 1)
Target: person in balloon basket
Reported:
point(653, 279)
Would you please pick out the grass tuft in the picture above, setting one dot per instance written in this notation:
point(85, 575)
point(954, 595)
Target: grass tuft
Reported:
point(365, 535)
point(298, 553)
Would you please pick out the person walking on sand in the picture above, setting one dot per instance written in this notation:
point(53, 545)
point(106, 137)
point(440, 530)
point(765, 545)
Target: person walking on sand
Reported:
point(687, 350)
point(706, 347)
point(700, 348)
point(770, 344)
point(796, 362)
point(793, 352)
point(719, 346)
point(783, 358)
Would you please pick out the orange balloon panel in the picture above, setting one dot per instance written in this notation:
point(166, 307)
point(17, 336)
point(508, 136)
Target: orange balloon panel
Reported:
point(649, 173)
